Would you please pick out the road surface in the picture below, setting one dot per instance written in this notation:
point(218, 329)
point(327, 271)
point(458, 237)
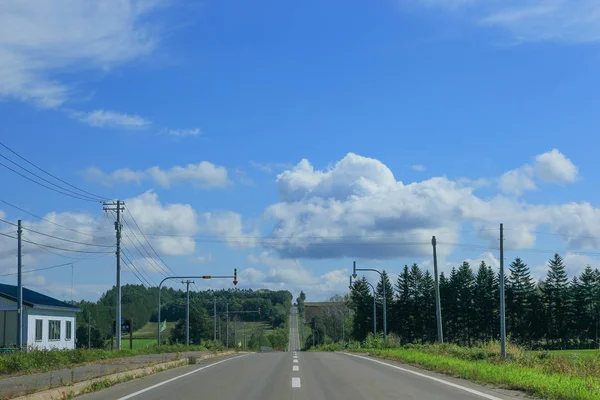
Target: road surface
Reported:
point(294, 336)
point(299, 376)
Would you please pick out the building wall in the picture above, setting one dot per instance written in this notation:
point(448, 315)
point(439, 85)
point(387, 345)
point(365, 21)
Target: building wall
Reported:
point(47, 315)
point(8, 335)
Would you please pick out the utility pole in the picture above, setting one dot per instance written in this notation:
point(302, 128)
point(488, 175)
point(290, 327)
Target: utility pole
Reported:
point(215, 320)
point(89, 330)
point(438, 303)
point(502, 305)
point(20, 289)
point(227, 324)
point(235, 332)
point(245, 330)
point(118, 207)
point(187, 313)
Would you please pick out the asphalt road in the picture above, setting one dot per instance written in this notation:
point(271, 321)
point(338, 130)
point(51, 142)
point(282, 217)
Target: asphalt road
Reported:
point(300, 376)
point(294, 338)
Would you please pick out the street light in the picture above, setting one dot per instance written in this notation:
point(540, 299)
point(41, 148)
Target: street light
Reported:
point(235, 281)
point(374, 306)
point(384, 298)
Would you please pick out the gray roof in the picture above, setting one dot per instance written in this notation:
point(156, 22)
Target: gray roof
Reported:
point(34, 299)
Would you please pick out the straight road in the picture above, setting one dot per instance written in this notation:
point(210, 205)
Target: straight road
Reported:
point(300, 376)
point(294, 338)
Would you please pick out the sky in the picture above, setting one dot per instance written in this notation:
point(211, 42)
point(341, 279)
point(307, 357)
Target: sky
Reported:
point(288, 139)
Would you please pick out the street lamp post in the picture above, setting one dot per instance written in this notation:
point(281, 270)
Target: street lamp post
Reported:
point(384, 295)
point(374, 306)
point(235, 281)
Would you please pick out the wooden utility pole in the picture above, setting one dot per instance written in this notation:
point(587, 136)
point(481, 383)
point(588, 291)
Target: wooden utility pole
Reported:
point(118, 207)
point(438, 303)
point(502, 300)
point(19, 288)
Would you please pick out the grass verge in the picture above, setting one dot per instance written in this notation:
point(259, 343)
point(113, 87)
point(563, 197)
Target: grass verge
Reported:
point(537, 374)
point(49, 360)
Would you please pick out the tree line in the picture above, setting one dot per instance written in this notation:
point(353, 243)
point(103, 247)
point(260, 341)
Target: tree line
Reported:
point(139, 304)
point(556, 312)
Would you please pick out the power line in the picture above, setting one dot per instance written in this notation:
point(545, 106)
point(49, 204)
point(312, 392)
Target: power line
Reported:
point(147, 241)
point(130, 257)
point(39, 269)
point(48, 173)
point(46, 180)
point(59, 248)
point(135, 271)
point(56, 237)
point(51, 222)
point(46, 186)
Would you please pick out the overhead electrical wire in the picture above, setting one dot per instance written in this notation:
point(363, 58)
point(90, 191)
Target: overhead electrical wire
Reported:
point(57, 248)
point(101, 198)
point(25, 271)
point(51, 222)
point(130, 257)
point(149, 244)
point(127, 261)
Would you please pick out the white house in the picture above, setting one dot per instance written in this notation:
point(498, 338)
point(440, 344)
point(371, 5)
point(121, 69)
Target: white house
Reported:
point(47, 323)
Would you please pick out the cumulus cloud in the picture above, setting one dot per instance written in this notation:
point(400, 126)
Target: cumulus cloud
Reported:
point(228, 226)
point(204, 175)
point(357, 208)
point(417, 167)
point(202, 259)
point(104, 118)
point(39, 41)
point(551, 167)
point(291, 275)
point(176, 223)
point(533, 20)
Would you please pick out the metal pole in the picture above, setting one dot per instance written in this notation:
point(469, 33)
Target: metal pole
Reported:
point(384, 310)
point(20, 289)
point(158, 324)
point(313, 335)
point(374, 310)
point(438, 303)
point(227, 324)
point(502, 305)
point(234, 332)
point(245, 336)
point(89, 330)
point(215, 319)
point(118, 317)
point(187, 314)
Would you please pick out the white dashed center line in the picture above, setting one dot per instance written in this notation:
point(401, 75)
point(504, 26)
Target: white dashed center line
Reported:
point(296, 368)
point(295, 361)
point(296, 383)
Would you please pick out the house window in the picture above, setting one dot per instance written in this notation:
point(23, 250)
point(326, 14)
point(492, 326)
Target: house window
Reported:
point(68, 330)
point(53, 330)
point(39, 325)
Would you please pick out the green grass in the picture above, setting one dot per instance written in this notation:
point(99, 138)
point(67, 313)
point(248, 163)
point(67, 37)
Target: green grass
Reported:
point(149, 331)
point(48, 360)
point(577, 353)
point(137, 343)
point(545, 375)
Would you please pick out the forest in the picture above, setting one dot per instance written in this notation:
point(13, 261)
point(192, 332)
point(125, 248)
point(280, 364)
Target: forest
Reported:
point(556, 312)
point(139, 304)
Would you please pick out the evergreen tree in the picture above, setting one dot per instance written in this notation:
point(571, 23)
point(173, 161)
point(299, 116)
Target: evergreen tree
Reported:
point(415, 303)
point(583, 294)
point(389, 297)
point(485, 306)
point(464, 283)
point(556, 299)
point(449, 309)
point(361, 302)
point(429, 322)
point(519, 307)
point(201, 326)
point(401, 307)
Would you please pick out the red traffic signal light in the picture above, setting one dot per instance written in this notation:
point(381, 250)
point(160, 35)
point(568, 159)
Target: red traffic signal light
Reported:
point(235, 281)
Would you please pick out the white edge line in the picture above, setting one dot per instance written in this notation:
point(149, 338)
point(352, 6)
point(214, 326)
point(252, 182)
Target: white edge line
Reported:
point(454, 385)
point(129, 396)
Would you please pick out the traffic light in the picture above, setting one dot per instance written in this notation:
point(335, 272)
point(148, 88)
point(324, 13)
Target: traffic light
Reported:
point(235, 281)
point(259, 311)
point(354, 270)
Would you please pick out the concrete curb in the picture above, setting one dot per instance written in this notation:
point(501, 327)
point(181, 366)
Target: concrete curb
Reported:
point(84, 387)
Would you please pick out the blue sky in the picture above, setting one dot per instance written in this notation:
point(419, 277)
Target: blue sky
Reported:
point(200, 114)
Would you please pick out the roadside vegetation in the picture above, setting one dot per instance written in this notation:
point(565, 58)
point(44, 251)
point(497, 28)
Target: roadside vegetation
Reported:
point(546, 374)
point(49, 360)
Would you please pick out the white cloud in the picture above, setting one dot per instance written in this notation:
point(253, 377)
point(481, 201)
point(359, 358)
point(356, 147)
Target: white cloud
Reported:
point(178, 220)
point(228, 226)
point(358, 209)
point(270, 168)
point(533, 20)
point(202, 175)
point(39, 41)
point(183, 132)
point(104, 118)
point(550, 167)
point(290, 275)
point(417, 167)
point(554, 167)
point(202, 259)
